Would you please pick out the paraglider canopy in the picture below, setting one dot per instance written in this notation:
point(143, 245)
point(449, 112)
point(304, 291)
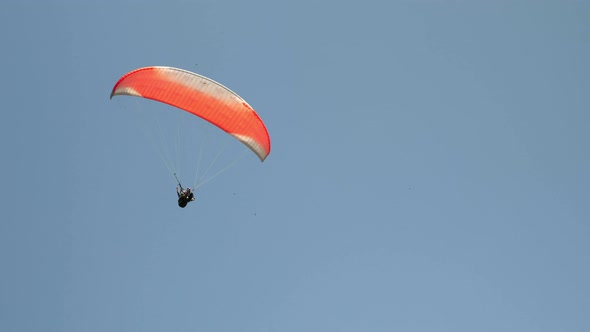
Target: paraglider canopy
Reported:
point(202, 97)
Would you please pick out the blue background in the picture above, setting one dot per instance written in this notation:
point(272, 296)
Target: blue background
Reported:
point(429, 169)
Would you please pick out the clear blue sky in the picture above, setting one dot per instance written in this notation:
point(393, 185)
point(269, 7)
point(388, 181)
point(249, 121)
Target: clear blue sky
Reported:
point(429, 171)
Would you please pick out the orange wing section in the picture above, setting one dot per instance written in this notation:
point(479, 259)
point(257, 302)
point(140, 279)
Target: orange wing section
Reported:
point(202, 97)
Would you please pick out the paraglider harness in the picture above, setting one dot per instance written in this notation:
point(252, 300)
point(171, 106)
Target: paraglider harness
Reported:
point(184, 195)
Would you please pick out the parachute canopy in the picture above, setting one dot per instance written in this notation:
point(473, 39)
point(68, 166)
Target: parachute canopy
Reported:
point(202, 97)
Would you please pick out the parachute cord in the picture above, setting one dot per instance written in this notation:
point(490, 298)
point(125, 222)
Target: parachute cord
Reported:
point(169, 150)
point(178, 143)
point(161, 147)
point(235, 161)
point(201, 150)
point(221, 149)
point(157, 141)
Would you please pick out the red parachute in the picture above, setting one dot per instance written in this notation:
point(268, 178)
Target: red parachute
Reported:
point(202, 97)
